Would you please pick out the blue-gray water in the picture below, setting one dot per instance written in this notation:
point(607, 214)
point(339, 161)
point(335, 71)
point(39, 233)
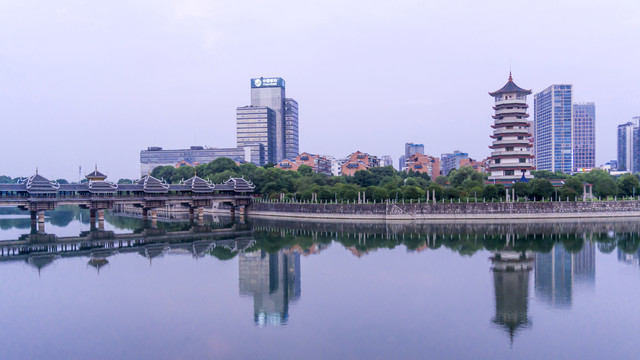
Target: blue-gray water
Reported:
point(271, 289)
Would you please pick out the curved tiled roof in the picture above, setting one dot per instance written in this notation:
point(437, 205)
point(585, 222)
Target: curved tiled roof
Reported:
point(153, 185)
point(198, 185)
point(39, 184)
point(101, 186)
point(510, 87)
point(96, 175)
point(240, 184)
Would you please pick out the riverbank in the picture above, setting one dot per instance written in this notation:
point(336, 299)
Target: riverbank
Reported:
point(450, 211)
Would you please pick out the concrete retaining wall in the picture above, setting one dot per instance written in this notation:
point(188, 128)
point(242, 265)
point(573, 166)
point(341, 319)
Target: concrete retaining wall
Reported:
point(472, 211)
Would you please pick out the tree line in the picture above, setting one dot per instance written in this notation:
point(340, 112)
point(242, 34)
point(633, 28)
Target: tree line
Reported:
point(386, 183)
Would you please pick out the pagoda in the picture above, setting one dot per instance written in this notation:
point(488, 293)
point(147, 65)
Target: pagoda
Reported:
point(511, 158)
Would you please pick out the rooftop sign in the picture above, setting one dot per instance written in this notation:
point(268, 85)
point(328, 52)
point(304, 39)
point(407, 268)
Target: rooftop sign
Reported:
point(267, 82)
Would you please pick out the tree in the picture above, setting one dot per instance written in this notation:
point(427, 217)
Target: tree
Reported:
point(221, 164)
point(568, 193)
point(490, 192)
point(574, 184)
point(380, 194)
point(541, 189)
point(5, 179)
point(628, 185)
point(544, 174)
point(364, 178)
point(521, 189)
point(125, 181)
point(451, 193)
point(442, 180)
point(605, 187)
point(305, 170)
point(62, 181)
point(435, 188)
point(413, 192)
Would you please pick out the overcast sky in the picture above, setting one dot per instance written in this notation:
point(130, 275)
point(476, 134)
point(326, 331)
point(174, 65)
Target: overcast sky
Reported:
point(85, 82)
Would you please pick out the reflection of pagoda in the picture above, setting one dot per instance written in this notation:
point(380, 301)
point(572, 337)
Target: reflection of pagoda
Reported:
point(273, 280)
point(511, 284)
point(557, 271)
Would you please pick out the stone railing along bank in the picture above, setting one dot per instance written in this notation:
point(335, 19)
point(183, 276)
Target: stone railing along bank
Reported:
point(451, 211)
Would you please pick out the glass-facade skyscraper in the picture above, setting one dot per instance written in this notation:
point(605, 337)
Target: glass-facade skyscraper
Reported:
point(256, 133)
point(291, 141)
point(629, 146)
point(270, 92)
point(553, 128)
point(584, 136)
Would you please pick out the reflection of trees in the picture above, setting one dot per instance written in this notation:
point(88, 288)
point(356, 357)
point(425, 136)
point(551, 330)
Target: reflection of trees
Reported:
point(628, 243)
point(222, 253)
point(465, 238)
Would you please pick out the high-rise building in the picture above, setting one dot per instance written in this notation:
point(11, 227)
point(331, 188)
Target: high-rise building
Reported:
point(386, 160)
point(256, 133)
point(409, 150)
point(452, 161)
point(629, 146)
point(270, 92)
point(291, 139)
point(584, 136)
point(553, 128)
point(511, 156)
point(156, 156)
point(412, 149)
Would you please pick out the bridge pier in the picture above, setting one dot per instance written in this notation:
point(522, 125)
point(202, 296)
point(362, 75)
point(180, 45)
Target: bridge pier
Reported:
point(92, 218)
point(145, 214)
point(154, 218)
point(101, 219)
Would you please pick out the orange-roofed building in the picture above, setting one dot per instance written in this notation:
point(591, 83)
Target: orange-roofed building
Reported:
point(287, 164)
point(359, 161)
point(424, 164)
point(476, 165)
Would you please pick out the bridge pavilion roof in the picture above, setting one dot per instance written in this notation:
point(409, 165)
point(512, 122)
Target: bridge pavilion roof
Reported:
point(96, 175)
point(101, 186)
point(198, 185)
point(239, 185)
point(153, 185)
point(38, 184)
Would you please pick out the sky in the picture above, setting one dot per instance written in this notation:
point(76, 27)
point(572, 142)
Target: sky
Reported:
point(94, 82)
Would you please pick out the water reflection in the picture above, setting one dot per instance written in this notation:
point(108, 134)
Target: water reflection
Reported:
point(511, 270)
point(273, 280)
point(557, 271)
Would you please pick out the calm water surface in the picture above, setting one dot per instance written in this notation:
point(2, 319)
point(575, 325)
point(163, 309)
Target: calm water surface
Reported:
point(276, 289)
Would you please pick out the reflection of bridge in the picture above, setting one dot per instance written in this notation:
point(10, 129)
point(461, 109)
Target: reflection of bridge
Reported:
point(152, 243)
point(37, 194)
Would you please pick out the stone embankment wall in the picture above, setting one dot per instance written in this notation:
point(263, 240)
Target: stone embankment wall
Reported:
point(450, 211)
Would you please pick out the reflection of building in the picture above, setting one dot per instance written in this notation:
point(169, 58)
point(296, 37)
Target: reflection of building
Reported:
point(511, 284)
point(556, 272)
point(273, 280)
point(632, 259)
